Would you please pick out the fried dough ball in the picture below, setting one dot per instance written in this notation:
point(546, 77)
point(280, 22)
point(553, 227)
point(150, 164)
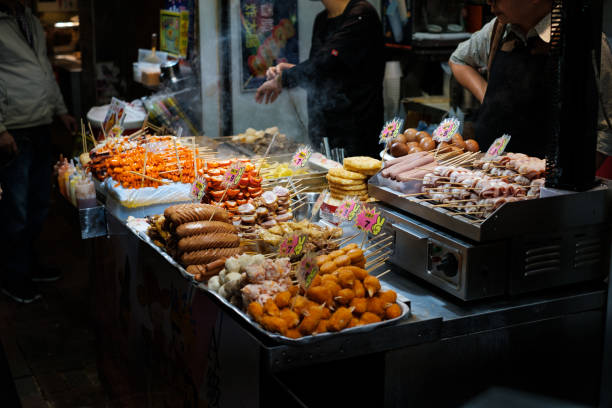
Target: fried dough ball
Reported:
point(290, 317)
point(282, 299)
point(322, 327)
point(333, 287)
point(321, 259)
point(354, 323)
point(361, 264)
point(376, 306)
point(369, 318)
point(393, 311)
point(335, 254)
point(372, 285)
point(359, 289)
point(350, 247)
point(355, 254)
point(346, 278)
point(359, 305)
point(274, 324)
point(328, 267)
point(320, 294)
point(294, 290)
point(256, 310)
point(345, 296)
point(358, 272)
point(342, 260)
point(389, 297)
point(293, 334)
point(340, 319)
point(271, 309)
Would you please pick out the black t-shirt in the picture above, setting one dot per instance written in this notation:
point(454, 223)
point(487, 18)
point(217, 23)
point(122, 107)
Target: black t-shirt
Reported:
point(344, 79)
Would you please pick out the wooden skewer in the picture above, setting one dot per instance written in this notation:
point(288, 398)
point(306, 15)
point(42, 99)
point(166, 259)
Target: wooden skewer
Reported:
point(300, 206)
point(378, 242)
point(451, 205)
point(383, 274)
point(378, 251)
point(346, 240)
point(373, 261)
point(148, 178)
point(378, 265)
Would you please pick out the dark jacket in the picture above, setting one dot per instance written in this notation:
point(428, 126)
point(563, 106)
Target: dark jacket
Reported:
point(344, 79)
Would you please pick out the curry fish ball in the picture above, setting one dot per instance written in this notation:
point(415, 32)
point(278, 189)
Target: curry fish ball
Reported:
point(345, 296)
point(274, 324)
point(359, 305)
point(346, 278)
point(342, 260)
point(388, 297)
point(328, 267)
point(359, 289)
point(376, 306)
point(256, 310)
point(321, 259)
point(369, 318)
point(372, 285)
point(290, 317)
point(322, 326)
point(282, 299)
point(271, 309)
point(293, 334)
point(393, 311)
point(333, 287)
point(340, 319)
point(320, 294)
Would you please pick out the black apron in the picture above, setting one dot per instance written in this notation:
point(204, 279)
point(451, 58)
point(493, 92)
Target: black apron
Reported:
point(517, 101)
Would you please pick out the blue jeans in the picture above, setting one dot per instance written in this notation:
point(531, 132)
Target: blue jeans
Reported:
point(26, 185)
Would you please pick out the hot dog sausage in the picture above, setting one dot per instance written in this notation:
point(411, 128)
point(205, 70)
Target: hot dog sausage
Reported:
point(208, 255)
point(207, 241)
point(204, 227)
point(183, 213)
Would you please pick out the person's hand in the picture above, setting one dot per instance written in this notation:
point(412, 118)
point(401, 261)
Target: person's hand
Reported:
point(269, 91)
point(8, 144)
point(69, 122)
point(275, 71)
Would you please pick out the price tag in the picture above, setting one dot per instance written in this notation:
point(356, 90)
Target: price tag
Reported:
point(348, 209)
point(391, 130)
point(369, 220)
point(447, 129)
point(198, 188)
point(498, 147)
point(317, 205)
point(301, 156)
point(233, 174)
point(292, 245)
point(307, 270)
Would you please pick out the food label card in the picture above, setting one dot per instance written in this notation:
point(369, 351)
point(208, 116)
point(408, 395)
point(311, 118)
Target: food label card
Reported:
point(447, 129)
point(307, 270)
point(301, 156)
point(498, 147)
point(348, 209)
point(198, 188)
point(369, 220)
point(233, 174)
point(391, 130)
point(292, 245)
point(115, 117)
point(317, 205)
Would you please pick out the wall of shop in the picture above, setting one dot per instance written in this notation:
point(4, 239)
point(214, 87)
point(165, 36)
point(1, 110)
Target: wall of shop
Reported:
point(289, 112)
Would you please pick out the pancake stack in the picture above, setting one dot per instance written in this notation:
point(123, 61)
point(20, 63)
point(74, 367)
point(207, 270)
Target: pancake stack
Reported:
point(351, 180)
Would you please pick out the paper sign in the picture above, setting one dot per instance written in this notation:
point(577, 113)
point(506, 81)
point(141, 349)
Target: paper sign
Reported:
point(198, 188)
point(301, 156)
point(369, 220)
point(391, 130)
point(233, 174)
point(115, 117)
point(447, 129)
point(292, 245)
point(317, 205)
point(499, 146)
point(307, 270)
point(349, 209)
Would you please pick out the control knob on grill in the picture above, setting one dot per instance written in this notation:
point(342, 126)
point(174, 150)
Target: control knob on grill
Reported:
point(449, 265)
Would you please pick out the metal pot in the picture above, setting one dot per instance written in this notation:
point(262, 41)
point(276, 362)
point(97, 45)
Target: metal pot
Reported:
point(170, 71)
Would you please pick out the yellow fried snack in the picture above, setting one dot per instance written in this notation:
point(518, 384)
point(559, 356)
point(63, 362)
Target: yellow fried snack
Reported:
point(356, 193)
point(345, 174)
point(354, 187)
point(363, 164)
point(343, 181)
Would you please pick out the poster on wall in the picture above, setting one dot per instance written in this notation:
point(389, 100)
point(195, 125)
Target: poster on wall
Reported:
point(174, 32)
point(397, 23)
point(269, 36)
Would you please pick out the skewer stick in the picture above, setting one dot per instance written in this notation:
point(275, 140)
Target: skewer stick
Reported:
point(178, 160)
point(144, 170)
point(379, 242)
point(298, 207)
point(373, 261)
point(378, 265)
point(383, 274)
point(379, 250)
point(346, 240)
point(93, 138)
point(148, 177)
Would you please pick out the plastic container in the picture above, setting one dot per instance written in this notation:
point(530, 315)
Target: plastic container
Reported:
point(86, 193)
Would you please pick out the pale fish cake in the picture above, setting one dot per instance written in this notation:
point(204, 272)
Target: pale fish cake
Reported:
point(342, 181)
point(363, 164)
point(345, 174)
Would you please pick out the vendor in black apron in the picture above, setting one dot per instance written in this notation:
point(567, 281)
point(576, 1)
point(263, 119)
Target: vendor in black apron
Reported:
point(513, 50)
point(343, 77)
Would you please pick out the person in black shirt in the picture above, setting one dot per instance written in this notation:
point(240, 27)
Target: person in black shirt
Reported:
point(343, 77)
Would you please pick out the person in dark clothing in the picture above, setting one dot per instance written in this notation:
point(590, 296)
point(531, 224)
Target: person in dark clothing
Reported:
point(343, 77)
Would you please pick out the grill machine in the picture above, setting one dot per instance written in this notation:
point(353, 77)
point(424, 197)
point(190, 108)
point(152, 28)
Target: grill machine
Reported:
point(527, 245)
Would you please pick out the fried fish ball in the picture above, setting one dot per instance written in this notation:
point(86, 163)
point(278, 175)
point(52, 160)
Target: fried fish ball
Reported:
point(369, 318)
point(354, 322)
point(345, 296)
point(294, 290)
point(376, 306)
point(359, 273)
point(359, 305)
point(340, 319)
point(333, 287)
point(321, 259)
point(328, 267)
point(320, 294)
point(300, 304)
point(372, 285)
point(335, 254)
point(331, 277)
point(346, 278)
point(326, 313)
point(355, 254)
point(293, 334)
point(388, 297)
point(350, 247)
point(282, 299)
point(274, 324)
point(256, 310)
point(393, 311)
point(271, 309)
point(322, 326)
point(289, 316)
point(311, 321)
point(342, 260)
point(359, 289)
point(316, 281)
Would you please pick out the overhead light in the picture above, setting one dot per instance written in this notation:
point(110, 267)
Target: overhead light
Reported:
point(66, 24)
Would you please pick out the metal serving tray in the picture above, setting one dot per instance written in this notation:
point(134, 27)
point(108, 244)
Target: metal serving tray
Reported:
point(550, 214)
